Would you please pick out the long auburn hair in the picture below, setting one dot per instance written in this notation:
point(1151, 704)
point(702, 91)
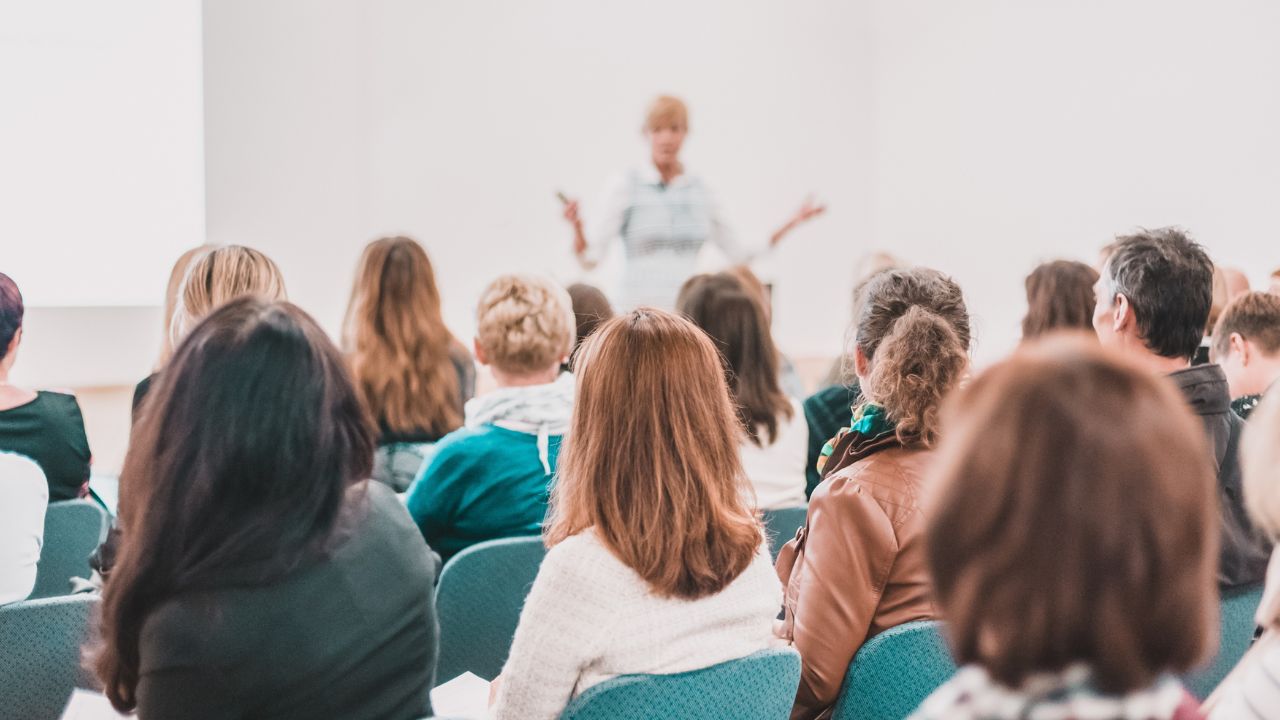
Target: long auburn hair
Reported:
point(648, 462)
point(736, 321)
point(236, 475)
point(913, 328)
point(397, 343)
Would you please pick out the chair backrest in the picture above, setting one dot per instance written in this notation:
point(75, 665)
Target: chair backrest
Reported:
point(1235, 634)
point(761, 686)
point(478, 600)
point(73, 529)
point(894, 672)
point(40, 654)
point(781, 525)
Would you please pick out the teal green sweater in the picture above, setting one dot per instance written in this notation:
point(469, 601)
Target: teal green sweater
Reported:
point(481, 484)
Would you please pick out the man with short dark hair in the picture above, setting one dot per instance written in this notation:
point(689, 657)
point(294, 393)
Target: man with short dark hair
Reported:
point(1154, 296)
point(1246, 343)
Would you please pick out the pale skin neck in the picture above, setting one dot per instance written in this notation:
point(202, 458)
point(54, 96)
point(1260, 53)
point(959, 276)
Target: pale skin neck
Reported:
point(1266, 375)
point(669, 170)
point(509, 380)
point(1157, 364)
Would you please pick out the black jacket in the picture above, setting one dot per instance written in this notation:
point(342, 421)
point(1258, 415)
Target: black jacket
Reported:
point(1244, 551)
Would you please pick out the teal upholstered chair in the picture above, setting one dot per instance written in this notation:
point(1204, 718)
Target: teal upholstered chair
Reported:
point(1235, 635)
point(73, 529)
point(40, 661)
point(781, 525)
point(761, 686)
point(478, 601)
point(894, 672)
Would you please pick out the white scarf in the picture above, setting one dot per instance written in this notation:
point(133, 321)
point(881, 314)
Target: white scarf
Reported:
point(542, 410)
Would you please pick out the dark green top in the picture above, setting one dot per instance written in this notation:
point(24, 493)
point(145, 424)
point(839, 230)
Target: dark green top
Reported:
point(352, 635)
point(827, 411)
point(50, 430)
point(482, 484)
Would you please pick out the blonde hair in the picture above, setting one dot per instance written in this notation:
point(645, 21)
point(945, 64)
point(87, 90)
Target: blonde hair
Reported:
point(665, 111)
point(219, 276)
point(176, 276)
point(659, 480)
point(525, 323)
point(396, 341)
point(1260, 457)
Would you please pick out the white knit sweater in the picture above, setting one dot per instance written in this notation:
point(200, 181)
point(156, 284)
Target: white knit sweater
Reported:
point(589, 617)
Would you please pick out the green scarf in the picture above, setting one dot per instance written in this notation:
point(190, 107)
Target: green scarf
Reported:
point(869, 420)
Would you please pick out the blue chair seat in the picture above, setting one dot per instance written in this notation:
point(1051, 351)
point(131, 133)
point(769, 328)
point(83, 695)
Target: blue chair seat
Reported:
point(894, 672)
point(781, 525)
point(761, 686)
point(73, 529)
point(478, 601)
point(1235, 635)
point(40, 661)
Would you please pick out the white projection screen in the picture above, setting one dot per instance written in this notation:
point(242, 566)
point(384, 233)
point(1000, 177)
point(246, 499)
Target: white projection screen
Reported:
point(101, 148)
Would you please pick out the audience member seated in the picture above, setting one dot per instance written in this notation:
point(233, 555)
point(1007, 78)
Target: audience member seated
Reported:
point(657, 564)
point(491, 479)
point(259, 576)
point(1252, 689)
point(171, 292)
point(1154, 296)
point(1247, 345)
point(42, 425)
point(829, 410)
point(857, 568)
point(412, 372)
point(590, 308)
point(1274, 287)
point(215, 275)
point(24, 495)
point(1059, 297)
point(774, 438)
point(1070, 537)
point(788, 377)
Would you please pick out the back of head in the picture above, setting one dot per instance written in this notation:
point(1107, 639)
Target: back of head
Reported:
point(396, 340)
point(913, 329)
point(590, 308)
point(525, 324)
point(254, 435)
point(1059, 297)
point(735, 320)
point(219, 276)
point(176, 275)
point(11, 312)
point(1255, 316)
point(1072, 518)
point(1168, 281)
point(647, 461)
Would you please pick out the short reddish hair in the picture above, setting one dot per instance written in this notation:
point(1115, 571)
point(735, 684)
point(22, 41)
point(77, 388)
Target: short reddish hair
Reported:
point(1072, 517)
point(11, 311)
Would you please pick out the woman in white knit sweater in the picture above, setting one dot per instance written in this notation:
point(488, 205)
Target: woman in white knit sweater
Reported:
point(657, 563)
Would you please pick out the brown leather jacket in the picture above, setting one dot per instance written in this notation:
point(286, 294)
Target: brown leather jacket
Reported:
point(857, 568)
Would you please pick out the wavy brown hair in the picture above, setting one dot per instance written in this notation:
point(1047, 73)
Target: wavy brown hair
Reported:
point(913, 329)
point(1059, 297)
point(1072, 517)
point(734, 318)
point(397, 343)
point(236, 474)
point(659, 479)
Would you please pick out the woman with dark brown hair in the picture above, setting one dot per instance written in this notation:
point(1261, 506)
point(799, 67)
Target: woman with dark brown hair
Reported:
point(1072, 541)
point(656, 562)
point(857, 567)
point(1059, 297)
point(413, 374)
point(258, 575)
point(775, 436)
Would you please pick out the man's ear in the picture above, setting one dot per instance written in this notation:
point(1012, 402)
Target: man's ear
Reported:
point(1241, 346)
point(479, 352)
point(1121, 314)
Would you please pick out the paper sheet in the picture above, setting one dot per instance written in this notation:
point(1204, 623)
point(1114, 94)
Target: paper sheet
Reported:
point(466, 696)
point(89, 705)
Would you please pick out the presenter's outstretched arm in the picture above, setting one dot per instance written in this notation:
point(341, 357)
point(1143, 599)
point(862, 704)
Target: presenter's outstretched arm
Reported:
point(805, 213)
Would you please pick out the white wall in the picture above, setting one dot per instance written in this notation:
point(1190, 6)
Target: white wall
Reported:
point(330, 122)
point(978, 137)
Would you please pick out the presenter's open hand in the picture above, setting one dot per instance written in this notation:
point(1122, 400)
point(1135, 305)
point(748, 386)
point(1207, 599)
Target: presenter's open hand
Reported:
point(571, 215)
point(807, 211)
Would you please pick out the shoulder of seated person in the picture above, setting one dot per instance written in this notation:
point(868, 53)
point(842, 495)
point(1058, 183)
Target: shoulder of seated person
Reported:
point(879, 470)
